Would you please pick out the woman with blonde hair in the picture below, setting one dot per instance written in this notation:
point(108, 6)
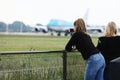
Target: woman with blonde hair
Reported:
point(111, 29)
point(109, 46)
point(83, 43)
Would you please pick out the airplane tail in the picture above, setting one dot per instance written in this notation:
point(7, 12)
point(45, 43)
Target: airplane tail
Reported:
point(85, 17)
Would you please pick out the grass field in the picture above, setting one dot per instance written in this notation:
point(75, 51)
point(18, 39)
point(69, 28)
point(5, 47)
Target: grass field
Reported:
point(28, 43)
point(23, 43)
point(38, 66)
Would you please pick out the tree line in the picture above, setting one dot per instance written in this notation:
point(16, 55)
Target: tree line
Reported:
point(16, 26)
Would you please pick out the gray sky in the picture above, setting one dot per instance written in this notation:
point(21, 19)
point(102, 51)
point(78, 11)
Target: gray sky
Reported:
point(41, 11)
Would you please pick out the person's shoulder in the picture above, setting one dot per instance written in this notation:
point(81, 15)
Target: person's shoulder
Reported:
point(75, 34)
point(117, 37)
point(78, 33)
point(109, 38)
point(102, 37)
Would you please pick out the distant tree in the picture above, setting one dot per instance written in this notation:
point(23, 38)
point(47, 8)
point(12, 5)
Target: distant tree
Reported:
point(27, 28)
point(16, 26)
point(19, 26)
point(3, 26)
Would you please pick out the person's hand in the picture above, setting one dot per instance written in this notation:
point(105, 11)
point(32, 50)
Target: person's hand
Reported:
point(74, 48)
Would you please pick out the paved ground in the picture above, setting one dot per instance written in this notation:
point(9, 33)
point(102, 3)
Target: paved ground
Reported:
point(41, 34)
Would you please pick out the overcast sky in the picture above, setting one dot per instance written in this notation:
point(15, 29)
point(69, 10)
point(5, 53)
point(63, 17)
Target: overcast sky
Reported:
point(41, 11)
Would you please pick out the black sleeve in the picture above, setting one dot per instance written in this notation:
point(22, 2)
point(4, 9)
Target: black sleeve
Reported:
point(71, 43)
point(99, 44)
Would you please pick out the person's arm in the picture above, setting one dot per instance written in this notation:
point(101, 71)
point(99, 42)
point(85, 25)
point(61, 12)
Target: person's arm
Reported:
point(71, 44)
point(99, 44)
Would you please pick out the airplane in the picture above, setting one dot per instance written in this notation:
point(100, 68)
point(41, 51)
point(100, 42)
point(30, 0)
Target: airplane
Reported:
point(59, 26)
point(40, 28)
point(95, 29)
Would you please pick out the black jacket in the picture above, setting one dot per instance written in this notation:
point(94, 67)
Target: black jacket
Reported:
point(109, 47)
point(83, 44)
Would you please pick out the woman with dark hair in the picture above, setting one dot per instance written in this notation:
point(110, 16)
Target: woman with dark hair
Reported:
point(83, 43)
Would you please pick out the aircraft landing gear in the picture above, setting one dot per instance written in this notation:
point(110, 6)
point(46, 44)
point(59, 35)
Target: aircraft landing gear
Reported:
point(59, 34)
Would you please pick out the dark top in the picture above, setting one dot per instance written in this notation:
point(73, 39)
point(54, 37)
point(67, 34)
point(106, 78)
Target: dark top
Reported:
point(83, 44)
point(109, 47)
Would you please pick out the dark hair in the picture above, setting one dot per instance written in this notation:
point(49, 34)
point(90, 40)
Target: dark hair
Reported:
point(80, 25)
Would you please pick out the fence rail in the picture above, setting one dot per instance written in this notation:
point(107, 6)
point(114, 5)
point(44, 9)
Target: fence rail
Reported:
point(64, 67)
point(31, 52)
point(38, 52)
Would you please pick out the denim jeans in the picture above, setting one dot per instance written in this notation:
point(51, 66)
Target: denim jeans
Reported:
point(95, 67)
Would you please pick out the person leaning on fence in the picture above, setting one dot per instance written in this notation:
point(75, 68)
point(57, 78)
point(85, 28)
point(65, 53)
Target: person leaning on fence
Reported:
point(83, 43)
point(109, 46)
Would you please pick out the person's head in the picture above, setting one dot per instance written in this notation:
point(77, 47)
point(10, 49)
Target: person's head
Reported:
point(79, 25)
point(111, 29)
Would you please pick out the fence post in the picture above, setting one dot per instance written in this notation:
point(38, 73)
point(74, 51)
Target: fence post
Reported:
point(64, 65)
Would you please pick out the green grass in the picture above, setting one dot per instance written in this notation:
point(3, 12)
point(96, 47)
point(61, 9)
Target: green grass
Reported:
point(28, 43)
point(38, 66)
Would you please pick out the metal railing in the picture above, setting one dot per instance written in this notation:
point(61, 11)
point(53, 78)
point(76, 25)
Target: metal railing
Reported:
point(64, 59)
